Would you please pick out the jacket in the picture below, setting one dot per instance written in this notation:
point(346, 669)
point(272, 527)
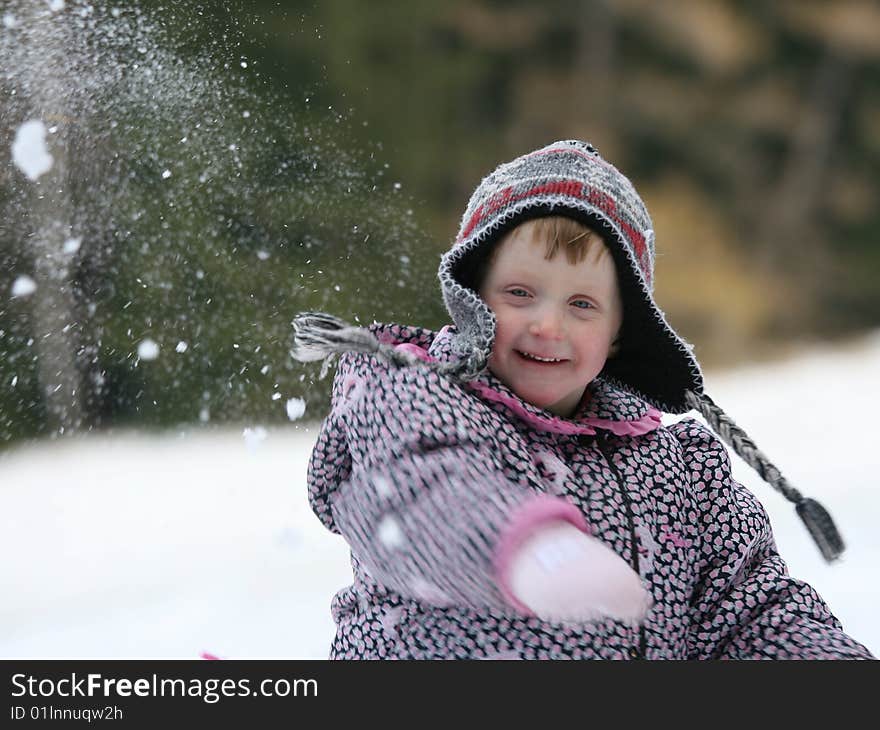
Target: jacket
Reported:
point(434, 483)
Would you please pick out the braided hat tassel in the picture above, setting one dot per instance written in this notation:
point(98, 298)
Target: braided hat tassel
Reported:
point(817, 519)
point(321, 336)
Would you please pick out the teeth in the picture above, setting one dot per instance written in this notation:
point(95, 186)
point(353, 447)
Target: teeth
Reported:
point(540, 359)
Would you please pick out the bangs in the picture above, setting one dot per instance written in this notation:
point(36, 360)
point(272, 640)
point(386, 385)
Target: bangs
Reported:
point(576, 239)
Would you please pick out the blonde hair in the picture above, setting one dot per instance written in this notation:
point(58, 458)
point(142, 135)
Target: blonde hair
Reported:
point(575, 238)
point(557, 232)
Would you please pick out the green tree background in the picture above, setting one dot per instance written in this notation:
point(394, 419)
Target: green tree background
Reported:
point(331, 148)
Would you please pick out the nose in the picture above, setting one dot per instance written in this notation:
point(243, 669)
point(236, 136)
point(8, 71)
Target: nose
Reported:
point(548, 323)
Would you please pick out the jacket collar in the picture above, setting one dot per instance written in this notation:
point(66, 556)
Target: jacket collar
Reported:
point(604, 406)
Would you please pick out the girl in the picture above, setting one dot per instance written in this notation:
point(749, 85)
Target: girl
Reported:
point(506, 485)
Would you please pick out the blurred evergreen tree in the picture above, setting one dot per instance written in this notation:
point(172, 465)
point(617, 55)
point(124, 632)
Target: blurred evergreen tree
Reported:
point(241, 161)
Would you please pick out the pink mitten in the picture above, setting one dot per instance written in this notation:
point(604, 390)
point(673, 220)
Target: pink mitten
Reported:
point(563, 574)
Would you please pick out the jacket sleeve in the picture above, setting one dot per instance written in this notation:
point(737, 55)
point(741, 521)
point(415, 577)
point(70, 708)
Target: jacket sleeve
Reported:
point(408, 469)
point(745, 604)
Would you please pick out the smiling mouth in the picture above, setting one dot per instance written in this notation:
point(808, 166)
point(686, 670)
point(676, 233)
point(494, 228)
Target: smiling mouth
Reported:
point(535, 358)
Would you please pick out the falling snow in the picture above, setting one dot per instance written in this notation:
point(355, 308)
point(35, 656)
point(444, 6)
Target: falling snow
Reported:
point(296, 407)
point(177, 228)
point(23, 286)
point(71, 245)
point(29, 152)
point(148, 349)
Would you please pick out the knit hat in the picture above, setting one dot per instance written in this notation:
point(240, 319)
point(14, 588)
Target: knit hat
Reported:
point(653, 362)
point(570, 179)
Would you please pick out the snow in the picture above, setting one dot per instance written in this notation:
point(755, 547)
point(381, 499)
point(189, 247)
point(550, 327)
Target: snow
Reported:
point(295, 407)
point(148, 349)
point(29, 152)
point(71, 245)
point(23, 286)
point(167, 545)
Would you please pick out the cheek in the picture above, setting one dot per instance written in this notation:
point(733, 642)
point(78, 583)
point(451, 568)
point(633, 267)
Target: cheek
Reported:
point(504, 330)
point(594, 347)
point(500, 343)
point(502, 325)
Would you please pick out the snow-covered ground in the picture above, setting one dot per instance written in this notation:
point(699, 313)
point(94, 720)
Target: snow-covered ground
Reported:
point(170, 545)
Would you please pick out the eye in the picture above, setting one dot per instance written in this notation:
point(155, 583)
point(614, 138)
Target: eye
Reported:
point(583, 304)
point(518, 292)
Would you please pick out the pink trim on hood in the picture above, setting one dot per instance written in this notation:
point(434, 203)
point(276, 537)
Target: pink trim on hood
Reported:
point(553, 424)
point(651, 421)
point(647, 423)
point(532, 515)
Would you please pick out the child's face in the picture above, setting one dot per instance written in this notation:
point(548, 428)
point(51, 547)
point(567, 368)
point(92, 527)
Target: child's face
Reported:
point(552, 309)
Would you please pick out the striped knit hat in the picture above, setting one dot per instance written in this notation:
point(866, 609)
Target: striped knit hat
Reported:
point(570, 179)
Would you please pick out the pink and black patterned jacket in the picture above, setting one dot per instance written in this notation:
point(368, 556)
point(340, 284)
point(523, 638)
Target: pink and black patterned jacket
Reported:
point(435, 483)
